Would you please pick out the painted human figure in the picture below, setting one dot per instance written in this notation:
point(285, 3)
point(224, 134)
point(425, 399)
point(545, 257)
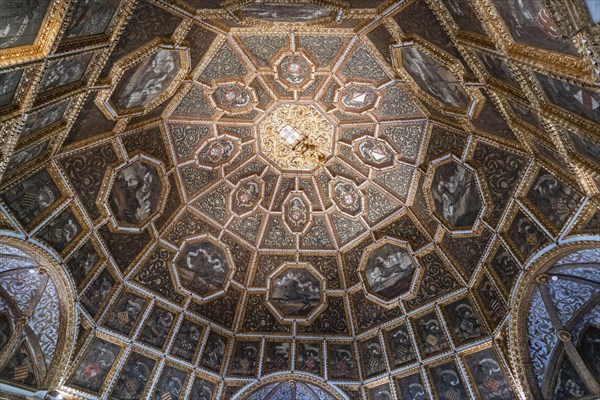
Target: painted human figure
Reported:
point(153, 81)
point(454, 192)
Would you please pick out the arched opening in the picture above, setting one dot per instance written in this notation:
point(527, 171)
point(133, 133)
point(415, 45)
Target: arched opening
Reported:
point(556, 336)
point(290, 387)
point(37, 317)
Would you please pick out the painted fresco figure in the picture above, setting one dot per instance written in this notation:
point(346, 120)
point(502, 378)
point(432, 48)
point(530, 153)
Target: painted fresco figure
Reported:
point(489, 377)
point(202, 390)
point(20, 21)
point(448, 383)
point(244, 362)
point(310, 359)
point(431, 336)
point(373, 358)
point(135, 193)
point(208, 269)
point(455, 195)
point(434, 78)
point(152, 80)
point(278, 358)
point(213, 355)
point(296, 292)
point(396, 263)
point(401, 346)
point(187, 340)
point(133, 379)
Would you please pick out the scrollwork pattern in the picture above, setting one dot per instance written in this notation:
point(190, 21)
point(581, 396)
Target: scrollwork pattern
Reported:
point(45, 321)
point(259, 319)
point(263, 48)
point(405, 139)
point(437, 281)
point(396, 104)
point(196, 179)
point(215, 203)
point(225, 63)
point(186, 138)
point(568, 297)
point(188, 224)
point(322, 48)
point(221, 310)
point(247, 227)
point(466, 252)
point(317, 236)
point(154, 275)
point(346, 229)
point(333, 320)
point(361, 64)
point(501, 170)
point(369, 314)
point(379, 206)
point(276, 235)
point(542, 336)
point(85, 171)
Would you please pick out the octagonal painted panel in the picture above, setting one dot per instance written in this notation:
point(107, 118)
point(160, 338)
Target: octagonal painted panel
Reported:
point(455, 195)
point(294, 71)
point(136, 193)
point(374, 152)
point(346, 196)
point(204, 267)
point(357, 98)
point(434, 78)
point(246, 196)
point(296, 212)
point(388, 271)
point(233, 98)
point(145, 79)
point(296, 291)
point(217, 152)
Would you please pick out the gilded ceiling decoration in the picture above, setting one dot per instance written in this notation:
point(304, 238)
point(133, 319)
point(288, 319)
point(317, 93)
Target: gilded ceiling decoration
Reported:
point(300, 199)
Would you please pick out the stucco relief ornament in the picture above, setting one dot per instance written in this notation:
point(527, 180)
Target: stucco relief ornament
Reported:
point(217, 152)
point(297, 214)
point(295, 70)
point(375, 152)
point(358, 96)
point(347, 197)
point(232, 96)
point(247, 194)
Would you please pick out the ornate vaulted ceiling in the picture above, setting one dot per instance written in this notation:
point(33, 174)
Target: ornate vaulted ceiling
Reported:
point(348, 190)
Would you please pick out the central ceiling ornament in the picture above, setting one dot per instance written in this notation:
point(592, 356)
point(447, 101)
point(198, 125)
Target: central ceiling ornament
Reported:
point(297, 138)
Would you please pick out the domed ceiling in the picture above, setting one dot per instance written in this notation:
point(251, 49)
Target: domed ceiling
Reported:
point(346, 190)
